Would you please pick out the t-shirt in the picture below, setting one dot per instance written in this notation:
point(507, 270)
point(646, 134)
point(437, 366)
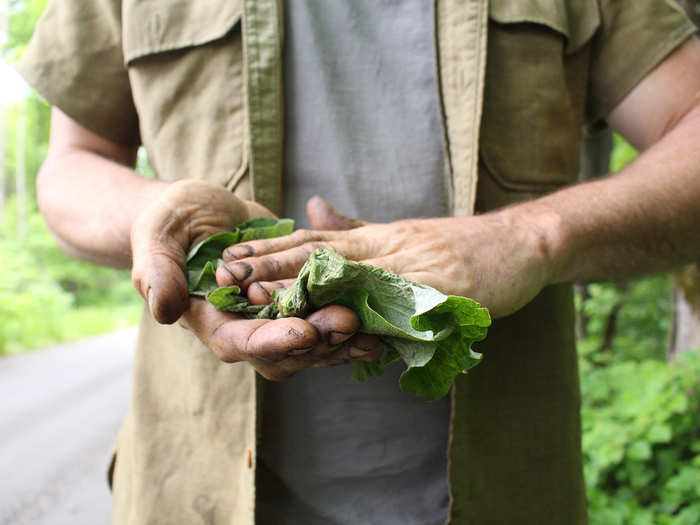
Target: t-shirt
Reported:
point(362, 128)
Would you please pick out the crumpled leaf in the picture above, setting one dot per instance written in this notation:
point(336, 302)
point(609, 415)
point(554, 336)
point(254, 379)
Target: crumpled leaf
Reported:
point(205, 258)
point(210, 249)
point(430, 332)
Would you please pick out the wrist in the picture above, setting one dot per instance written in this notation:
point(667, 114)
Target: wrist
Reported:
point(543, 238)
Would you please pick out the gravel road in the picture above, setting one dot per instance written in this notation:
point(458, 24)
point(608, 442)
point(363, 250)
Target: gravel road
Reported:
point(60, 412)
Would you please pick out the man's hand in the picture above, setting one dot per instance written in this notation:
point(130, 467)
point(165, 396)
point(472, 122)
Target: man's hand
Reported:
point(280, 348)
point(190, 211)
point(186, 213)
point(499, 259)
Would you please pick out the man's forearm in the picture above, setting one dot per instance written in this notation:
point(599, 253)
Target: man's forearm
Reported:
point(89, 203)
point(644, 219)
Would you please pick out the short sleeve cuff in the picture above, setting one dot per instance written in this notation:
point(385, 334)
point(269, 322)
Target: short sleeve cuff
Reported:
point(81, 74)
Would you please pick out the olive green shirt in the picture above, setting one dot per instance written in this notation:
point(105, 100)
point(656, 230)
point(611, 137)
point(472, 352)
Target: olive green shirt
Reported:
point(199, 84)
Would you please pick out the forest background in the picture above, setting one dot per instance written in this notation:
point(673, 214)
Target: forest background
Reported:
point(638, 340)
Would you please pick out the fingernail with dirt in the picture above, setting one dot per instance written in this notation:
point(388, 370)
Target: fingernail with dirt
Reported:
point(264, 291)
point(239, 252)
point(240, 270)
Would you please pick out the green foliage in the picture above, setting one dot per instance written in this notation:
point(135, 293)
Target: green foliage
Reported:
point(142, 164)
point(37, 114)
point(642, 317)
point(23, 15)
point(622, 154)
point(641, 430)
point(641, 442)
point(46, 297)
point(430, 332)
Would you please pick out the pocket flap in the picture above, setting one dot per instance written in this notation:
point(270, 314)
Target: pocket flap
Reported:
point(577, 20)
point(155, 26)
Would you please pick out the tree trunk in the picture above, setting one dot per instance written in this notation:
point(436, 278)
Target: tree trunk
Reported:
point(685, 329)
point(3, 157)
point(21, 170)
point(594, 159)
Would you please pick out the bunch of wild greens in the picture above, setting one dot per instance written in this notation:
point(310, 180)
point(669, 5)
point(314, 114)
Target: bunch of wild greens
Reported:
point(431, 332)
point(205, 258)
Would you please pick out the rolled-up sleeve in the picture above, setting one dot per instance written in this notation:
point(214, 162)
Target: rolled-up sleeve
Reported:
point(75, 61)
point(634, 37)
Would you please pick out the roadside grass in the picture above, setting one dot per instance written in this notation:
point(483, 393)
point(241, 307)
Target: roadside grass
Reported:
point(21, 335)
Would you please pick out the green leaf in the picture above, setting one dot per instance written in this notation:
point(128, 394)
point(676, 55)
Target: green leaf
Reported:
point(659, 433)
point(430, 332)
point(264, 228)
point(365, 369)
point(205, 257)
point(226, 297)
point(210, 249)
point(202, 281)
point(639, 450)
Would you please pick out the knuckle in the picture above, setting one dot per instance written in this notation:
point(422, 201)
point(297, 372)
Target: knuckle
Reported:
point(258, 246)
point(315, 245)
point(276, 265)
point(221, 344)
point(406, 227)
point(271, 265)
point(303, 235)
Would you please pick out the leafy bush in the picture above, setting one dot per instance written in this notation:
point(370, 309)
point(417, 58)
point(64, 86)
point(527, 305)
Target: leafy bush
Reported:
point(641, 431)
point(641, 442)
point(47, 297)
point(626, 320)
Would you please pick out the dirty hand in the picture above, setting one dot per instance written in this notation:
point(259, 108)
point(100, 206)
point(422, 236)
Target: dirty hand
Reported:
point(190, 211)
point(499, 259)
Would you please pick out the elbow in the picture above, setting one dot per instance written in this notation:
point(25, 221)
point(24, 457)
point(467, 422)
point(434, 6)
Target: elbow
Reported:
point(46, 187)
point(49, 189)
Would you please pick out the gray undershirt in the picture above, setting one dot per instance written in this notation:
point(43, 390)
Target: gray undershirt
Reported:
point(363, 130)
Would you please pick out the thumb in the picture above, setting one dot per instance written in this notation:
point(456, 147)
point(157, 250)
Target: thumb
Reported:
point(323, 216)
point(158, 269)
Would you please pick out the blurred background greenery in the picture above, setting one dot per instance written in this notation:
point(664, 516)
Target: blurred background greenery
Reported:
point(46, 297)
point(639, 365)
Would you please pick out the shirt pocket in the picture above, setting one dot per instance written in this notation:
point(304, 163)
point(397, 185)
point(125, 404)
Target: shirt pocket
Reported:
point(185, 65)
point(535, 92)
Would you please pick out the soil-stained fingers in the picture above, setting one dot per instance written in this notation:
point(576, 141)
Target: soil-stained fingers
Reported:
point(272, 267)
point(261, 292)
point(277, 244)
point(233, 338)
